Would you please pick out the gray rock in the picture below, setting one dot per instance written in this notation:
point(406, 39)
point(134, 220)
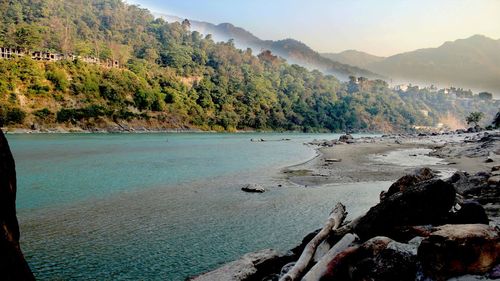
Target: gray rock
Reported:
point(408, 249)
point(465, 183)
point(346, 138)
point(246, 268)
point(381, 259)
point(286, 268)
point(253, 188)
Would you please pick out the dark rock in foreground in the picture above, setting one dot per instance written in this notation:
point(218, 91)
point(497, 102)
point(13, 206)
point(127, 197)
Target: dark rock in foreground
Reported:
point(12, 263)
point(409, 180)
point(425, 203)
point(444, 221)
point(454, 250)
point(382, 259)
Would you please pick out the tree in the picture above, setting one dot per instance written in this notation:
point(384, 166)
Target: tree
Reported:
point(485, 96)
point(474, 117)
point(27, 37)
point(186, 25)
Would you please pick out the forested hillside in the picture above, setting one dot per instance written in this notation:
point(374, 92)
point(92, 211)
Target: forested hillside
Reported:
point(171, 78)
point(292, 50)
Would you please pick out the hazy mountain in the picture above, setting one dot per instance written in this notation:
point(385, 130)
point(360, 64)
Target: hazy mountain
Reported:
point(353, 57)
point(470, 63)
point(292, 50)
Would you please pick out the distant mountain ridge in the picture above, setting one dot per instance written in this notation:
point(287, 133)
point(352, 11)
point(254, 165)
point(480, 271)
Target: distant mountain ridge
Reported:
point(354, 58)
point(292, 50)
point(472, 63)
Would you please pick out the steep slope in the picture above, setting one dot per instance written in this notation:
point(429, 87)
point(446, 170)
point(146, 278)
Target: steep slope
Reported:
point(171, 77)
point(353, 57)
point(471, 63)
point(290, 49)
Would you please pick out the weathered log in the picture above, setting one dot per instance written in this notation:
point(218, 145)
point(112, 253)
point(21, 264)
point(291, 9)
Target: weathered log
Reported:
point(319, 270)
point(12, 263)
point(336, 218)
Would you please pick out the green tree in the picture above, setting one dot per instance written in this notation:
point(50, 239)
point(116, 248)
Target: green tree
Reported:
point(27, 37)
point(485, 96)
point(474, 118)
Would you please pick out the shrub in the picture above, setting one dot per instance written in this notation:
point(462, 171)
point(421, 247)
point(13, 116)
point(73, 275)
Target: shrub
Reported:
point(58, 78)
point(43, 113)
point(11, 116)
point(76, 114)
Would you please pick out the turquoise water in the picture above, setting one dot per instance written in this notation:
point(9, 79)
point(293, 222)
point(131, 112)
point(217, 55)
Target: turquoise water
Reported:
point(163, 206)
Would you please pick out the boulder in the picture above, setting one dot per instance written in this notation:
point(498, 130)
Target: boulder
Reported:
point(286, 268)
point(378, 259)
point(467, 184)
point(253, 188)
point(470, 212)
point(252, 266)
point(495, 181)
point(428, 202)
point(12, 263)
point(495, 272)
point(396, 261)
point(409, 180)
point(346, 138)
point(408, 233)
point(455, 250)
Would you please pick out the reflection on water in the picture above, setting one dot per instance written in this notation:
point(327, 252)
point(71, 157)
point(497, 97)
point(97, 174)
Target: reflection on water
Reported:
point(149, 222)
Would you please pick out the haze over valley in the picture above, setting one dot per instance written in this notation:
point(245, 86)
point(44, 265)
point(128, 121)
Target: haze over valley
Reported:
point(470, 63)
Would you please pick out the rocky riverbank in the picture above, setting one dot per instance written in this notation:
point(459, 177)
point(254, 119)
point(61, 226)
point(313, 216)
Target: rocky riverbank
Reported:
point(435, 223)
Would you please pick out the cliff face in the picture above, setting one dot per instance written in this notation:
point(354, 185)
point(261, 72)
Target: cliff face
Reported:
point(13, 266)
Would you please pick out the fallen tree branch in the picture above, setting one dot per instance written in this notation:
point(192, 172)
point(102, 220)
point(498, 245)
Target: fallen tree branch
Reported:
point(319, 270)
point(336, 218)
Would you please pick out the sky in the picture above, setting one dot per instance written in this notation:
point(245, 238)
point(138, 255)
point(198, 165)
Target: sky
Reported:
point(379, 27)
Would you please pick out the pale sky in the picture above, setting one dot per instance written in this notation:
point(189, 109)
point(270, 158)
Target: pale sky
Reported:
point(379, 27)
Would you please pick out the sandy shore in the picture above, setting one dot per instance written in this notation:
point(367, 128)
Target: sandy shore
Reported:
point(390, 157)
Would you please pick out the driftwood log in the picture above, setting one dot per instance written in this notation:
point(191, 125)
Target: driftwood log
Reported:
point(320, 269)
point(336, 218)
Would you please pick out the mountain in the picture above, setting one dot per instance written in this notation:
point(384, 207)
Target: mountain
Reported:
point(292, 50)
point(353, 57)
point(472, 63)
point(107, 65)
point(55, 72)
